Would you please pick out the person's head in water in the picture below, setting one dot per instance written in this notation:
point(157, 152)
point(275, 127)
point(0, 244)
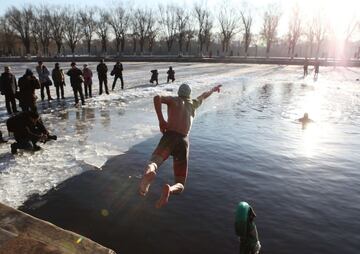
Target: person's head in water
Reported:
point(184, 91)
point(305, 119)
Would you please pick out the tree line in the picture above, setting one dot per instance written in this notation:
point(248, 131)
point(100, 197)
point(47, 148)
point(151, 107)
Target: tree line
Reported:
point(50, 30)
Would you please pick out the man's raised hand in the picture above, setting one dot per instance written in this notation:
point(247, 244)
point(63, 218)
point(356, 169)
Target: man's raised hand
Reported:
point(216, 88)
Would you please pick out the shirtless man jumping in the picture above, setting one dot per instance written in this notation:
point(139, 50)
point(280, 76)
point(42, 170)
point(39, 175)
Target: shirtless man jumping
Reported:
point(175, 140)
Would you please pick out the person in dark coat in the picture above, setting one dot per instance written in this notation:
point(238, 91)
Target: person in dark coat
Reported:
point(59, 81)
point(76, 79)
point(87, 74)
point(306, 65)
point(27, 85)
point(8, 87)
point(117, 71)
point(102, 75)
point(28, 129)
point(171, 75)
point(154, 76)
point(45, 81)
point(316, 68)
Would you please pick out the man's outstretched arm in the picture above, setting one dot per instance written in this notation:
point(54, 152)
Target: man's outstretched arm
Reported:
point(208, 93)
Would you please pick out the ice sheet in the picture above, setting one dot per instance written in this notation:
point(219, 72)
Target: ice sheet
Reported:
point(109, 125)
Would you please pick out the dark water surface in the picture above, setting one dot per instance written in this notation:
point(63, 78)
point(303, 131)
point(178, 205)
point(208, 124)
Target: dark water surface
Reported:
point(245, 145)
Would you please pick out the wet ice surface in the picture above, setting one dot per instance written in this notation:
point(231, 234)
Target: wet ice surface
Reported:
point(107, 125)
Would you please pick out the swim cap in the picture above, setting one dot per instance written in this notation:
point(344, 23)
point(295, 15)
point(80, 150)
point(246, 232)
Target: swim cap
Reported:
point(242, 219)
point(184, 91)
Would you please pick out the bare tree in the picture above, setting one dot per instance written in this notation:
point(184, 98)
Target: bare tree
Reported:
point(42, 27)
point(247, 21)
point(310, 36)
point(8, 37)
point(102, 30)
point(35, 36)
point(270, 25)
point(57, 26)
point(189, 35)
point(295, 29)
point(229, 25)
point(88, 24)
point(200, 16)
point(145, 20)
point(182, 20)
point(320, 31)
point(207, 31)
point(353, 23)
point(20, 21)
point(134, 25)
point(119, 21)
point(140, 17)
point(168, 24)
point(73, 29)
point(152, 31)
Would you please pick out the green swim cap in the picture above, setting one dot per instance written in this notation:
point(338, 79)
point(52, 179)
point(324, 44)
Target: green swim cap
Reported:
point(184, 91)
point(242, 218)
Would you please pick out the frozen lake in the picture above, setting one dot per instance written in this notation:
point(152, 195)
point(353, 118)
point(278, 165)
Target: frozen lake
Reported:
point(245, 145)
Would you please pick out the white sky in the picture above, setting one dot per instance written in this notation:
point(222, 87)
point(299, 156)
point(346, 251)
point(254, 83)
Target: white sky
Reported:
point(338, 12)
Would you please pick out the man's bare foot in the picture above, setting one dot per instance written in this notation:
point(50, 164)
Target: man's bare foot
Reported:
point(164, 198)
point(145, 182)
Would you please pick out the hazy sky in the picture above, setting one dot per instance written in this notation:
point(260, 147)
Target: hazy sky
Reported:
point(337, 12)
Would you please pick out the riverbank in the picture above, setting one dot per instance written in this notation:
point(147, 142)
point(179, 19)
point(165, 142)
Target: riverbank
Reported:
point(22, 233)
point(188, 59)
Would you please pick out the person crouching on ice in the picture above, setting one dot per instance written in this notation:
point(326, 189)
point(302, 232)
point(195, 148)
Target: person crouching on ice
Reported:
point(154, 77)
point(28, 129)
point(175, 139)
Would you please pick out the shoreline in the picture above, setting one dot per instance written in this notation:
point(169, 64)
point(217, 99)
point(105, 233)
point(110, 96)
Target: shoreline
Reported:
point(23, 233)
point(187, 59)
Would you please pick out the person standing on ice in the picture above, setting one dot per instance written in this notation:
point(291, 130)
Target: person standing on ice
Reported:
point(45, 81)
point(306, 65)
point(175, 139)
point(102, 75)
point(87, 74)
point(171, 75)
point(27, 85)
point(58, 76)
point(117, 71)
point(76, 80)
point(8, 87)
point(316, 68)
